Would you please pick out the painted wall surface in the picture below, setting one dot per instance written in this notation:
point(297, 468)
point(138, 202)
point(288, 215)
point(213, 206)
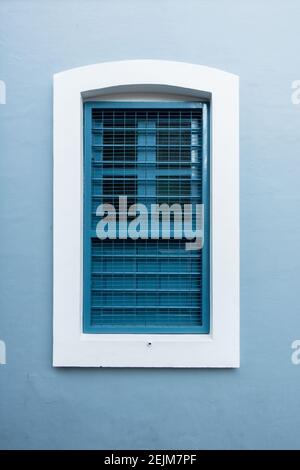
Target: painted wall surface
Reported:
point(255, 406)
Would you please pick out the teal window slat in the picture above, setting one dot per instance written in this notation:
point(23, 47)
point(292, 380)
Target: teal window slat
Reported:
point(153, 153)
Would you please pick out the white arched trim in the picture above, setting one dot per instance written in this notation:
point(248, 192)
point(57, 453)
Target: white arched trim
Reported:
point(131, 79)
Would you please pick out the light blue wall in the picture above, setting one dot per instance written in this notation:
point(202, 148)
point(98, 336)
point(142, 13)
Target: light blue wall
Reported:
point(255, 406)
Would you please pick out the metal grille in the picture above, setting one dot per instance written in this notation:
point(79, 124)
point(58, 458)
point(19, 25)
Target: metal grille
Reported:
point(153, 156)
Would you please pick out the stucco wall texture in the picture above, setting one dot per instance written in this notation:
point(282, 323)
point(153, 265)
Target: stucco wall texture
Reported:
point(256, 406)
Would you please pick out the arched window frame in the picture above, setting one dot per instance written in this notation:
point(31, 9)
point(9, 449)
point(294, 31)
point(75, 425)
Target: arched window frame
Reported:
point(72, 347)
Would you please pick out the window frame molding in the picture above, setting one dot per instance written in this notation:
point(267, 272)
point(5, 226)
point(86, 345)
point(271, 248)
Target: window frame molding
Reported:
point(72, 347)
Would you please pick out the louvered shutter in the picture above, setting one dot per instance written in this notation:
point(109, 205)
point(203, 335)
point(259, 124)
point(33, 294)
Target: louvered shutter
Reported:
point(153, 153)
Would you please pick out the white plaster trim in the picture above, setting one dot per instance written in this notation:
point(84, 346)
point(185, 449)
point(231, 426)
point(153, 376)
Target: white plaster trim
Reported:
point(70, 346)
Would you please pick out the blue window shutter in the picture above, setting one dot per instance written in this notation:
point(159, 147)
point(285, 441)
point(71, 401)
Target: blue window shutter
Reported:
point(152, 153)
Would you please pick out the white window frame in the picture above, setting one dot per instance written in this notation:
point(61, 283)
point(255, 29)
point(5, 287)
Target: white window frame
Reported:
point(72, 347)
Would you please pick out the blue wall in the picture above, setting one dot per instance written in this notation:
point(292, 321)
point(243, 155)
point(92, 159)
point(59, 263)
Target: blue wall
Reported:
point(255, 406)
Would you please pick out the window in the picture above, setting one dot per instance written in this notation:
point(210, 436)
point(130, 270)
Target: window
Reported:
point(151, 153)
point(151, 133)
